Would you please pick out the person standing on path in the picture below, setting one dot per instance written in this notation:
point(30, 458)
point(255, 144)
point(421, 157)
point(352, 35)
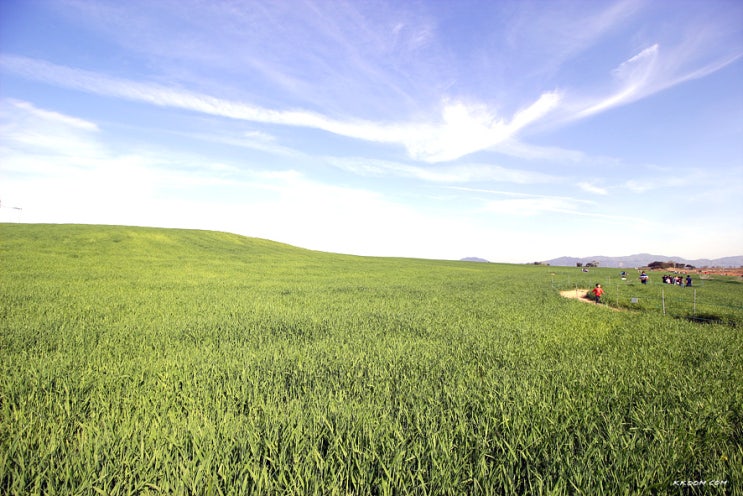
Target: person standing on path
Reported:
point(597, 292)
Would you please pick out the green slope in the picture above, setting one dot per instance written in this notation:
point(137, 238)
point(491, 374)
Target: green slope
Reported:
point(76, 241)
point(159, 361)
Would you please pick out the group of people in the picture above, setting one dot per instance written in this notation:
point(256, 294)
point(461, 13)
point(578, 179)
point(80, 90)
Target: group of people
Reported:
point(677, 280)
point(669, 279)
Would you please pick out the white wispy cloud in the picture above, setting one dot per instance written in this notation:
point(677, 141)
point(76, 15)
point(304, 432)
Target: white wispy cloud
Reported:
point(592, 188)
point(47, 115)
point(518, 204)
point(463, 129)
point(654, 69)
point(658, 178)
point(257, 140)
point(526, 204)
point(516, 148)
point(530, 207)
point(36, 143)
point(634, 78)
point(527, 207)
point(44, 133)
point(459, 173)
point(637, 186)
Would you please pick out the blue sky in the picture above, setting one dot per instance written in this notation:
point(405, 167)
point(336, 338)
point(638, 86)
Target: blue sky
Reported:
point(515, 131)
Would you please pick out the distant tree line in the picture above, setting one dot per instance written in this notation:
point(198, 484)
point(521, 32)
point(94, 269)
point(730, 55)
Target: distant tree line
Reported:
point(669, 265)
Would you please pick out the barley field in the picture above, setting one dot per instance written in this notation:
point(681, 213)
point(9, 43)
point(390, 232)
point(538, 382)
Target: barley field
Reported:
point(160, 361)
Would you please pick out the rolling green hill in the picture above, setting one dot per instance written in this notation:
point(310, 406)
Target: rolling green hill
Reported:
point(162, 361)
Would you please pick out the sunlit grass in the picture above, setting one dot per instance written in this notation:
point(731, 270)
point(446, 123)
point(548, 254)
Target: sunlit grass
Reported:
point(189, 362)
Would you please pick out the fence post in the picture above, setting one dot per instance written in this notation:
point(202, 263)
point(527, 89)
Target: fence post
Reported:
point(694, 311)
point(663, 300)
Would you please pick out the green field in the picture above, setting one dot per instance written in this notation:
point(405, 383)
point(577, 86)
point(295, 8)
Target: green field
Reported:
point(154, 361)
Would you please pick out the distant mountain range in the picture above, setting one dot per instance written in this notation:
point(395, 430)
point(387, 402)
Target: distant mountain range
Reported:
point(643, 259)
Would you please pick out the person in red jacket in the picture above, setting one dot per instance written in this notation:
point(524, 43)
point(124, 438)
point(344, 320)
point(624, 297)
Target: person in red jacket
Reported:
point(597, 292)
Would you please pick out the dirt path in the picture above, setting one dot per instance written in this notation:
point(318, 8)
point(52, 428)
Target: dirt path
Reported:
point(576, 294)
point(580, 295)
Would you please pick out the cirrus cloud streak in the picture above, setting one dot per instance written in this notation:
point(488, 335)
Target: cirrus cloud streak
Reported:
point(462, 129)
